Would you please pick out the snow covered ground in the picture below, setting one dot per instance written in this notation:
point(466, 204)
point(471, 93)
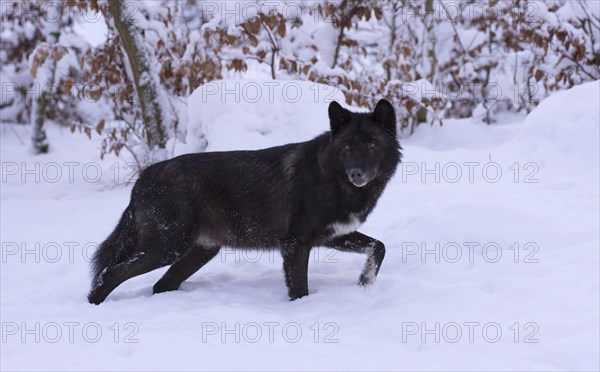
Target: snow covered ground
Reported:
point(492, 236)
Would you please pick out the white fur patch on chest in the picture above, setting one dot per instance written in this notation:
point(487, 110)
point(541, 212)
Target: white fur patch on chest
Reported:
point(344, 228)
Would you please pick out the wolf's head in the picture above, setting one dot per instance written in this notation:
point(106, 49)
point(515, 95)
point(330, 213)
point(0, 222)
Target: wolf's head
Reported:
point(364, 146)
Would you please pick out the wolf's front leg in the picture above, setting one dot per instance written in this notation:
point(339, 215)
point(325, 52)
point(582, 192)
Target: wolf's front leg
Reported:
point(295, 267)
point(361, 243)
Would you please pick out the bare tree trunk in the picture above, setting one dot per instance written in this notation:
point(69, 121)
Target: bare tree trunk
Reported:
point(488, 73)
point(337, 46)
point(274, 50)
point(430, 26)
point(38, 116)
point(145, 85)
point(344, 22)
point(40, 105)
point(429, 22)
point(395, 7)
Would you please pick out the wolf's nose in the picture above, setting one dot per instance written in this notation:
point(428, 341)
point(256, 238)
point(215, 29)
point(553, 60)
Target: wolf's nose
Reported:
point(356, 174)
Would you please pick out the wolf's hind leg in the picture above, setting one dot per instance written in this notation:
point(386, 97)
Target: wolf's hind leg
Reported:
point(112, 276)
point(186, 266)
point(361, 243)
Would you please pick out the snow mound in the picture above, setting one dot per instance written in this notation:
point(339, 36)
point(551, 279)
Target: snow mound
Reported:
point(566, 123)
point(252, 114)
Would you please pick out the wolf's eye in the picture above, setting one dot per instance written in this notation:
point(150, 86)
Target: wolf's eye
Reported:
point(371, 145)
point(346, 147)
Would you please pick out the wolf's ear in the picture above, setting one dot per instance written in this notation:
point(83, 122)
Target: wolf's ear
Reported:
point(385, 116)
point(338, 116)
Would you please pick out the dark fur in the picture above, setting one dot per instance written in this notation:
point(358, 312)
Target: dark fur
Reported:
point(292, 197)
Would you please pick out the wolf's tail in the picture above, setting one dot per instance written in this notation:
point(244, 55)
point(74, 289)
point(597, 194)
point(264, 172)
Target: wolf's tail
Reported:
point(119, 245)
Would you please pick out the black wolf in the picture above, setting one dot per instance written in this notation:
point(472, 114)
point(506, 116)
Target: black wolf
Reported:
point(291, 197)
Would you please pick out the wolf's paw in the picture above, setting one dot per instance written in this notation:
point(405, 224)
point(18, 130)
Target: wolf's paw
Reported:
point(365, 280)
point(160, 287)
point(295, 296)
point(95, 298)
